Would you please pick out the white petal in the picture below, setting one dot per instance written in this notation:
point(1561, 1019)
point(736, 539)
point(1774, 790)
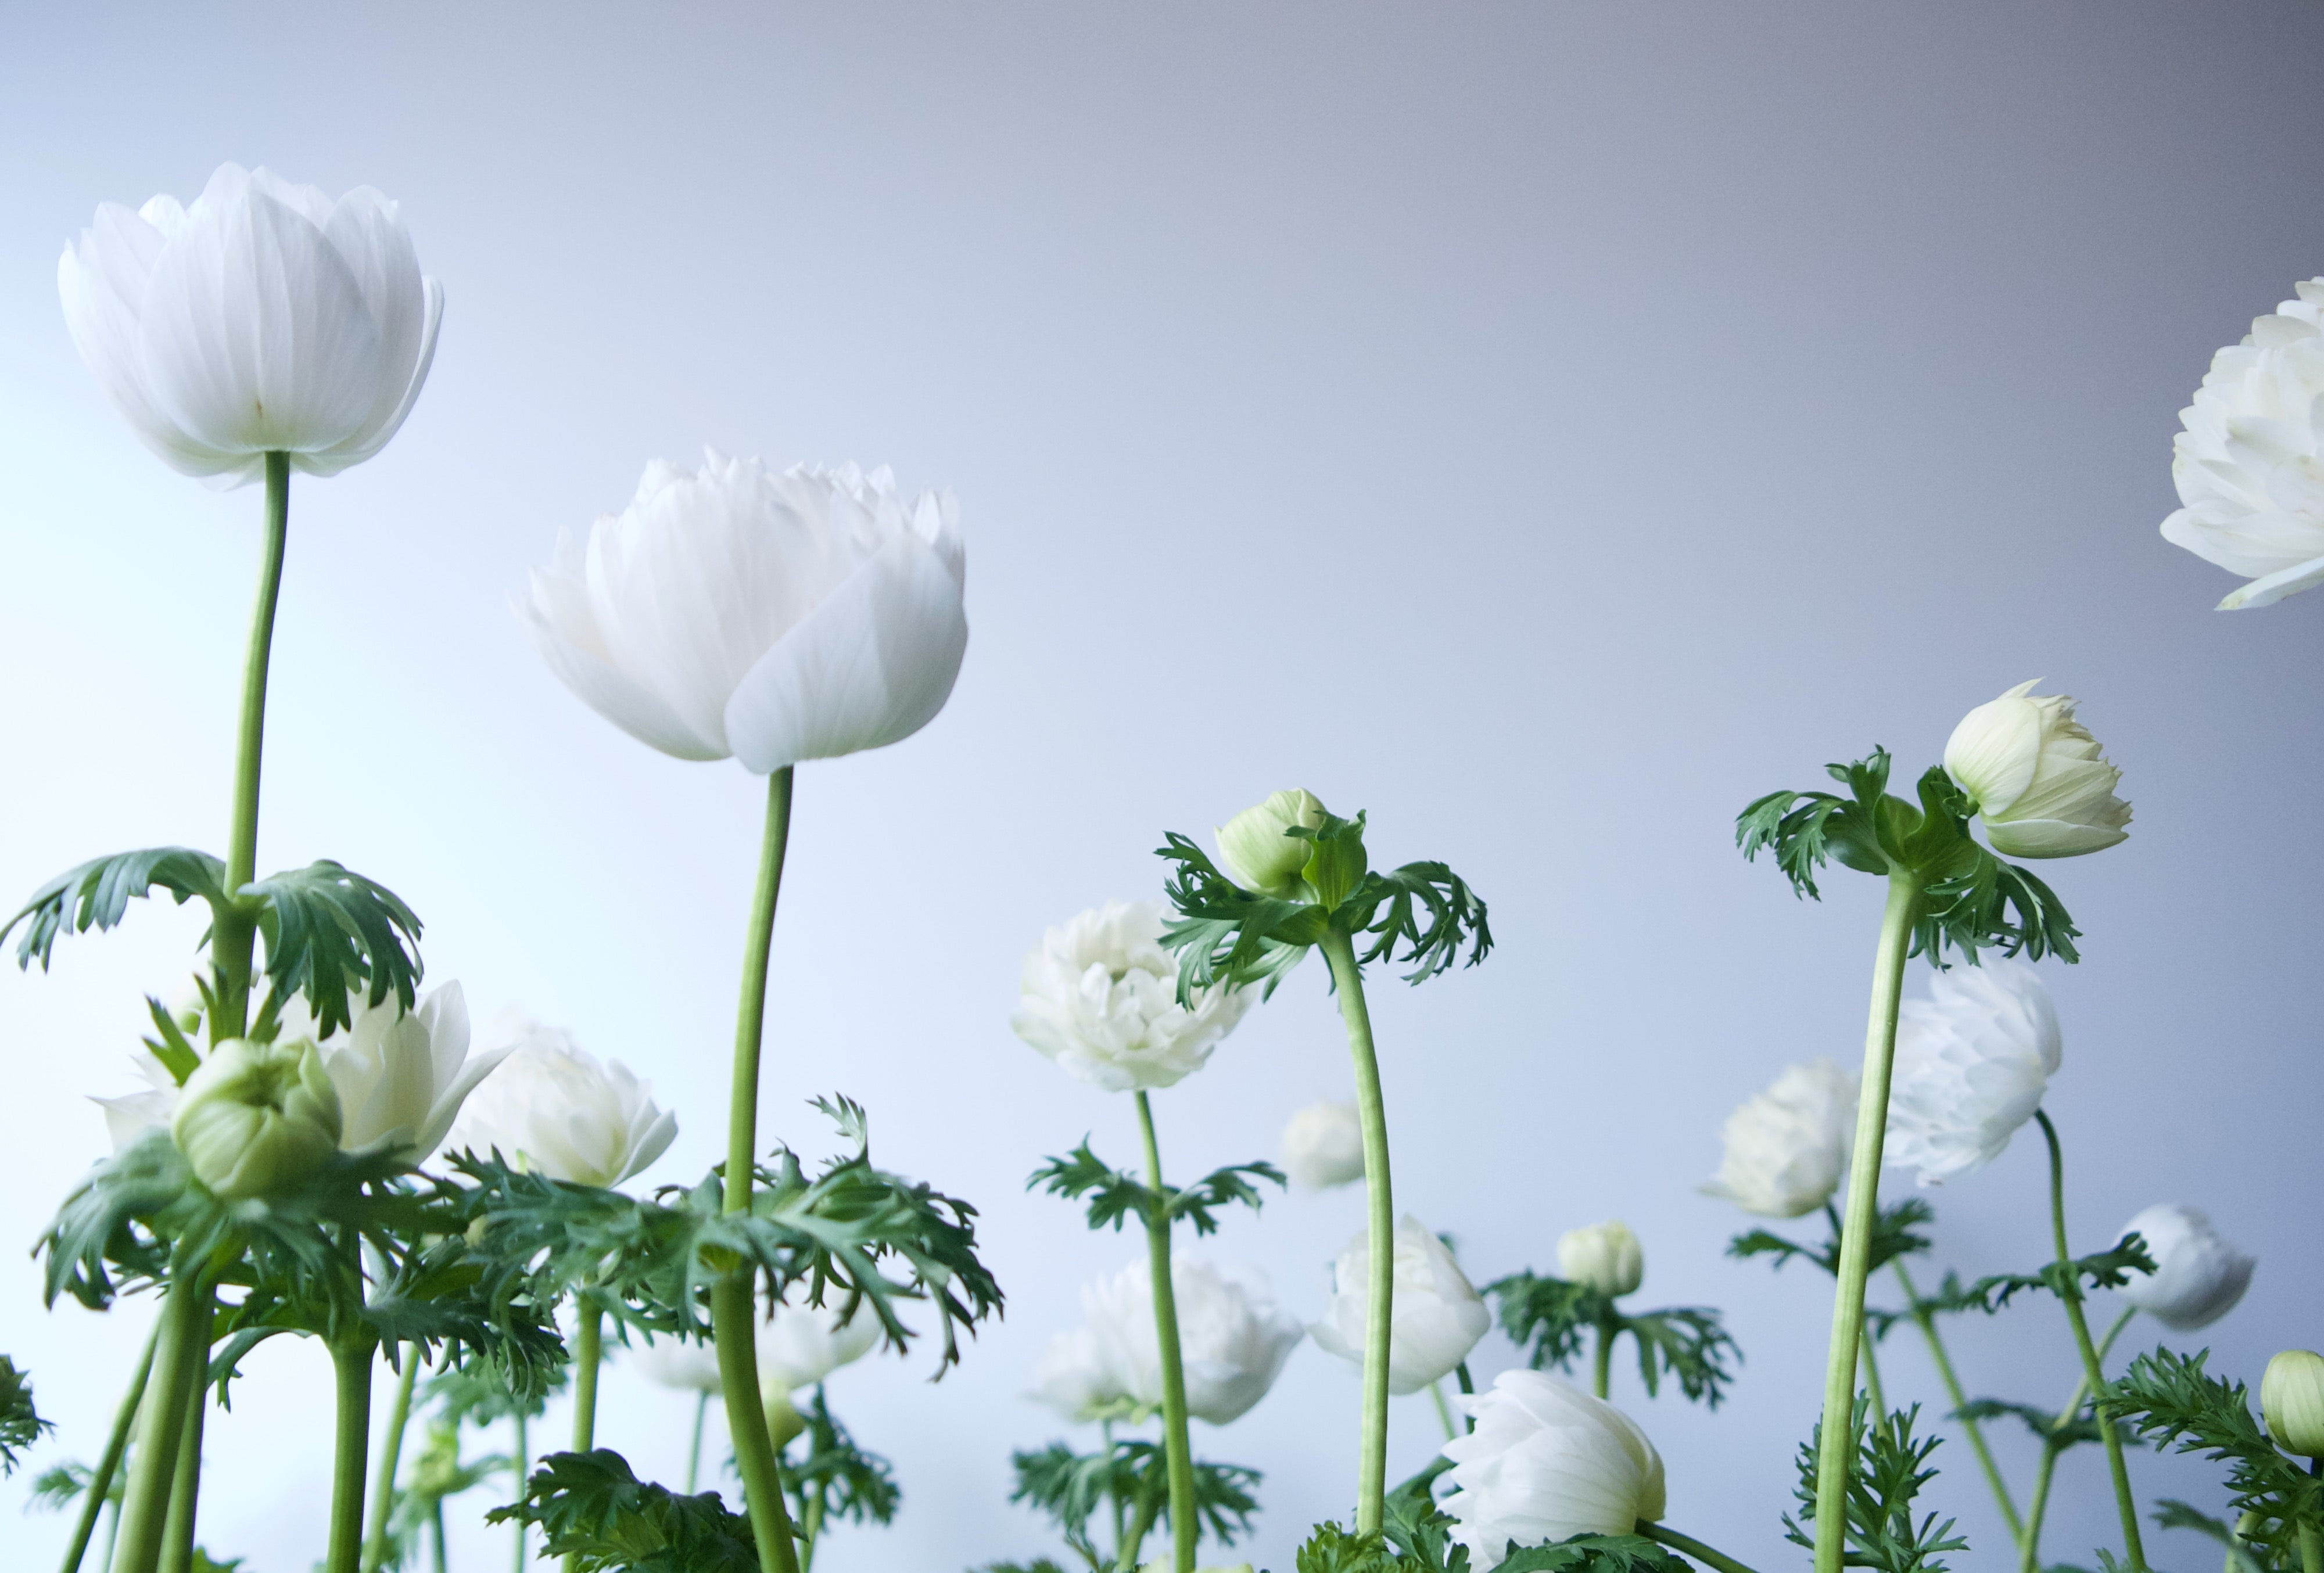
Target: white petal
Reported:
point(613, 694)
point(2275, 587)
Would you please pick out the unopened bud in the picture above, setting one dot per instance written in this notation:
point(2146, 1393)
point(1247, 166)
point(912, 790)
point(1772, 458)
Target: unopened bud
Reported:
point(1261, 855)
point(257, 1119)
point(1605, 1257)
point(2292, 1397)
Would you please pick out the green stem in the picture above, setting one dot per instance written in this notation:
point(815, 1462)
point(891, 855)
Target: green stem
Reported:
point(233, 932)
point(811, 1522)
point(1177, 1446)
point(1347, 981)
point(588, 1358)
point(1926, 1320)
point(2092, 1371)
point(523, 1465)
point(1444, 1410)
point(1688, 1545)
point(100, 1479)
point(1601, 1362)
point(1121, 1528)
point(2311, 1538)
point(1837, 1457)
point(2030, 1543)
point(694, 1449)
point(391, 1452)
point(1138, 1525)
point(436, 1535)
point(1872, 1375)
point(180, 1363)
point(351, 1368)
point(186, 1485)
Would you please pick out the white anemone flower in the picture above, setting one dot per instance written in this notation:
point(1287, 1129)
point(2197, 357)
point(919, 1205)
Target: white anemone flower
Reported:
point(1233, 1342)
point(1786, 1149)
point(1546, 1462)
point(2197, 1275)
point(1101, 997)
point(1972, 1062)
point(556, 1110)
point(264, 317)
point(768, 617)
point(1323, 1146)
point(1435, 1316)
point(800, 1345)
point(678, 1364)
point(2250, 464)
point(2040, 783)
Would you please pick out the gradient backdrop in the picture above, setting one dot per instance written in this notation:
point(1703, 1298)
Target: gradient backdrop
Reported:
point(1546, 427)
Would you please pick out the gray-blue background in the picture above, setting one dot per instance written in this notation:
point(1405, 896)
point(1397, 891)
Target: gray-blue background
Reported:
point(1546, 427)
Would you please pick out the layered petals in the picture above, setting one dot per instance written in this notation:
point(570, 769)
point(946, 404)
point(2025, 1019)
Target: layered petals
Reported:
point(1435, 1316)
point(1545, 1462)
point(1786, 1149)
point(1099, 995)
point(1972, 1062)
point(558, 1111)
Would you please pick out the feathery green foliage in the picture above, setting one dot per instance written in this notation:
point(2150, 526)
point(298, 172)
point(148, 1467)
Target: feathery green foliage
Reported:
point(2108, 1269)
point(21, 1424)
point(1895, 1233)
point(2168, 1397)
point(1116, 1195)
point(1687, 1343)
point(1891, 1469)
point(836, 1477)
point(1133, 1476)
point(591, 1507)
point(97, 895)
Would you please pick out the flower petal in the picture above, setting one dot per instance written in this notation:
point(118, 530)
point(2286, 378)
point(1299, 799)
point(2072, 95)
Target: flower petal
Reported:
point(2273, 587)
point(612, 694)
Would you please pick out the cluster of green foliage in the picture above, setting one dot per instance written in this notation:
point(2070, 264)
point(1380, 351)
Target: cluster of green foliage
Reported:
point(1891, 1468)
point(1551, 1319)
point(592, 1509)
point(1116, 1195)
point(1896, 1232)
point(21, 1424)
point(2170, 1398)
point(1417, 1537)
point(1130, 1481)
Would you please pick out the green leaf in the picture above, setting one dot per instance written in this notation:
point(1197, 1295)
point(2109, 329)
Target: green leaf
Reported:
point(1551, 1315)
point(2107, 1269)
point(1388, 906)
point(97, 893)
point(1691, 1345)
point(329, 934)
point(1333, 1549)
point(1895, 1233)
point(60, 1486)
point(595, 1510)
point(1070, 1487)
point(2170, 1398)
point(1891, 1469)
point(1115, 1194)
point(849, 1483)
point(21, 1424)
point(1556, 1318)
point(2240, 1557)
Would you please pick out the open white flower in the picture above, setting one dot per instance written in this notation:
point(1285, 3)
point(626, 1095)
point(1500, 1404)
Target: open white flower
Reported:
point(1972, 1062)
point(556, 1110)
point(1232, 1341)
point(1435, 1316)
point(1323, 1146)
point(1547, 1462)
point(677, 1363)
point(2250, 466)
point(1786, 1149)
point(800, 1345)
point(768, 617)
point(264, 317)
point(2039, 785)
point(1101, 997)
point(2197, 1275)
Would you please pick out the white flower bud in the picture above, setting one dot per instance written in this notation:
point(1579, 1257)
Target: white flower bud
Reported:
point(1233, 1342)
point(1257, 853)
point(2198, 1276)
point(1606, 1257)
point(1100, 997)
point(554, 1109)
point(1323, 1146)
point(2292, 1397)
point(1787, 1148)
point(1547, 1462)
point(1972, 1062)
point(800, 1345)
point(257, 1119)
point(2036, 776)
point(1435, 1316)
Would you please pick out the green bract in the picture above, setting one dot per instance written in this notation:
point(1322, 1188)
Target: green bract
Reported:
point(258, 1119)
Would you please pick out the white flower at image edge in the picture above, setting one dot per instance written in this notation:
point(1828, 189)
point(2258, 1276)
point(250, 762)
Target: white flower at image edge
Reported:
point(768, 617)
point(1546, 1462)
point(1100, 997)
point(2250, 464)
point(1232, 1341)
point(555, 1110)
point(1972, 1062)
point(800, 1345)
point(263, 318)
point(1786, 1149)
point(2197, 1275)
point(1435, 1316)
point(1323, 1146)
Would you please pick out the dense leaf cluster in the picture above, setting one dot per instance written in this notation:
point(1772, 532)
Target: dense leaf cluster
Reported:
point(1891, 1468)
point(2168, 1397)
point(1116, 1195)
point(592, 1508)
point(1551, 1318)
point(21, 1424)
point(1130, 1481)
point(1896, 1232)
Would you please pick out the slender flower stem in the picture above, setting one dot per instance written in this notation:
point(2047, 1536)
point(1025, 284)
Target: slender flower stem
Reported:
point(733, 1321)
point(588, 1355)
point(436, 1536)
point(351, 1367)
point(391, 1452)
point(2030, 1543)
point(1347, 981)
point(1177, 1444)
point(1444, 1410)
point(1121, 1525)
point(1601, 1363)
point(694, 1449)
point(2312, 1539)
point(185, 1487)
point(1662, 1535)
point(109, 1463)
point(1127, 1561)
point(2091, 1370)
point(1837, 1457)
point(180, 1361)
point(234, 933)
point(1872, 1375)
point(523, 1465)
point(1926, 1320)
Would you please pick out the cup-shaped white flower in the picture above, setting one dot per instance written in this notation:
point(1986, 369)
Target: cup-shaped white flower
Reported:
point(2197, 1275)
point(1547, 1462)
point(1972, 1062)
point(1786, 1149)
point(1101, 997)
point(264, 317)
point(800, 1345)
point(677, 1363)
point(553, 1108)
point(1606, 1257)
point(736, 611)
point(1435, 1320)
point(1257, 851)
point(2250, 466)
point(401, 1076)
point(1232, 1338)
point(2036, 775)
point(257, 1119)
point(1323, 1146)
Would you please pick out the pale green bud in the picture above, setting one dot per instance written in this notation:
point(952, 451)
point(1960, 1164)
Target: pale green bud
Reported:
point(2292, 1397)
point(1260, 856)
point(1605, 1257)
point(257, 1119)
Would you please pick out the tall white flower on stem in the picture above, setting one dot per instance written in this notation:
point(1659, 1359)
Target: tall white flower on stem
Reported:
point(1233, 1337)
point(2035, 772)
point(1786, 1149)
point(559, 1112)
point(1972, 1062)
point(1435, 1318)
point(2197, 1275)
point(766, 616)
point(1547, 1462)
point(1100, 997)
point(2250, 464)
point(1323, 1146)
point(263, 317)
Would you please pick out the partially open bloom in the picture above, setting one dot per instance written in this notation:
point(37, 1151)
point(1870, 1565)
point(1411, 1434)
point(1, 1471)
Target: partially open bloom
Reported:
point(2292, 1397)
point(1545, 1463)
point(1436, 1320)
point(1606, 1257)
point(2035, 772)
point(1786, 1149)
point(2197, 1275)
point(771, 617)
point(1323, 1146)
point(1101, 997)
point(1257, 851)
point(1232, 1341)
point(800, 1345)
point(2250, 466)
point(402, 1078)
point(1972, 1062)
point(263, 318)
point(257, 1119)
point(679, 1363)
point(556, 1111)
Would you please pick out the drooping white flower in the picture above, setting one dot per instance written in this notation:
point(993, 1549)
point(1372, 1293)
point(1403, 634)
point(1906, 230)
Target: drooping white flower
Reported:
point(1786, 1149)
point(1323, 1146)
point(559, 1112)
point(677, 1363)
point(2197, 1275)
point(768, 617)
point(2250, 464)
point(1546, 1462)
point(800, 1345)
point(1972, 1062)
point(2039, 785)
point(256, 1119)
point(1606, 1257)
point(263, 318)
point(1101, 997)
point(1232, 1341)
point(1435, 1316)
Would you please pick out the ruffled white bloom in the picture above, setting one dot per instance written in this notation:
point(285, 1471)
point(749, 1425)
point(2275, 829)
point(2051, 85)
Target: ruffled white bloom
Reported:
point(2039, 785)
point(1435, 1317)
point(2250, 466)
point(1606, 1257)
point(1232, 1341)
point(1786, 1149)
point(1323, 1146)
point(2197, 1275)
point(1545, 1463)
point(556, 1111)
point(800, 1345)
point(768, 617)
point(1972, 1062)
point(1101, 997)
point(264, 317)
point(679, 1364)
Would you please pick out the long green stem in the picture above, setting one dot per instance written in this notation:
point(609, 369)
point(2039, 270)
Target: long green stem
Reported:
point(2091, 1370)
point(523, 1465)
point(351, 1361)
point(1120, 1524)
point(589, 1359)
point(391, 1455)
point(694, 1449)
point(1926, 1320)
point(2030, 1543)
point(1444, 1410)
point(1662, 1534)
point(233, 932)
point(1371, 1477)
point(109, 1463)
point(180, 1361)
point(1837, 1457)
point(1601, 1361)
point(1872, 1375)
point(1127, 1561)
point(732, 1323)
point(436, 1535)
point(1177, 1446)
point(185, 1489)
